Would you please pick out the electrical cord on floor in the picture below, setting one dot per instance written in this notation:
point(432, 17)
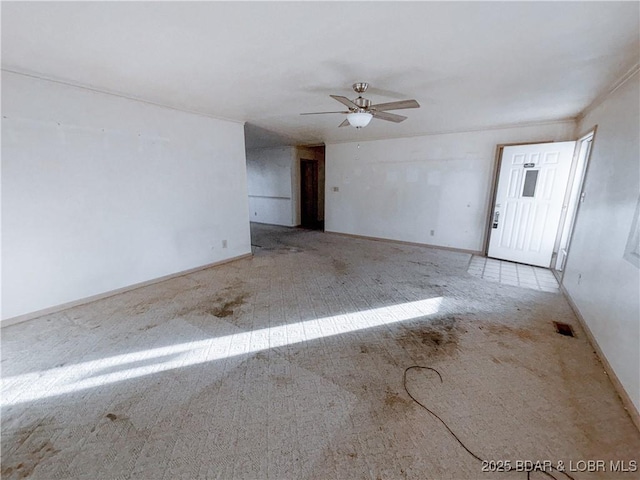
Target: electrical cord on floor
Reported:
point(432, 413)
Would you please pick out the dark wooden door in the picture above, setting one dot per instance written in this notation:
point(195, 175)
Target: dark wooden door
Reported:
point(309, 193)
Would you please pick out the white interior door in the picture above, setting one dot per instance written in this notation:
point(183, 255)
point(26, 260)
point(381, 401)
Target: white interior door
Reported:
point(531, 188)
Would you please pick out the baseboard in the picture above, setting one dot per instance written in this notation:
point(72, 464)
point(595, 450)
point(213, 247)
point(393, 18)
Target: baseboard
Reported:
point(402, 242)
point(622, 393)
point(64, 306)
point(273, 224)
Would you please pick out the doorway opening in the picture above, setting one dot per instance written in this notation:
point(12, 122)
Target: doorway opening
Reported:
point(516, 231)
point(312, 188)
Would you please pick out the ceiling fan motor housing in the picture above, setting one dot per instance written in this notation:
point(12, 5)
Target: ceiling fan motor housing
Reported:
point(362, 102)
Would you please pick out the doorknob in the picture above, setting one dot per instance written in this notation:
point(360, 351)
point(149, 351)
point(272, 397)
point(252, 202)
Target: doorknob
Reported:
point(495, 219)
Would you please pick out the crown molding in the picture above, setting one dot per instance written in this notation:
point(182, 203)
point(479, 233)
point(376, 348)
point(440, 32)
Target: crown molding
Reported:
point(624, 78)
point(571, 120)
point(68, 83)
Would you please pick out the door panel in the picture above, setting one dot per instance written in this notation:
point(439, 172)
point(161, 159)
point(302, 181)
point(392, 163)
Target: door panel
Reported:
point(309, 193)
point(531, 187)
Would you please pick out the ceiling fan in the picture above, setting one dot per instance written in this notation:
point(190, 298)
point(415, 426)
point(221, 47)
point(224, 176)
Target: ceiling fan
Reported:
point(361, 111)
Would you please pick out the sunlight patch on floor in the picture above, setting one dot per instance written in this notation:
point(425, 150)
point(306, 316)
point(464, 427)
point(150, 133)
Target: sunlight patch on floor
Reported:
point(85, 375)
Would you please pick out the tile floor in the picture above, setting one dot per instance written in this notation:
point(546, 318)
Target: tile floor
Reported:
point(509, 273)
point(289, 365)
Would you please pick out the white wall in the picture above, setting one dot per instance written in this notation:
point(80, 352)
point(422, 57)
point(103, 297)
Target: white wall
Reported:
point(100, 192)
point(604, 285)
point(404, 188)
point(270, 180)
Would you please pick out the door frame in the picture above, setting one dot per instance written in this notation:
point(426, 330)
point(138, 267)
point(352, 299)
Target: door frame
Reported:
point(497, 163)
point(593, 131)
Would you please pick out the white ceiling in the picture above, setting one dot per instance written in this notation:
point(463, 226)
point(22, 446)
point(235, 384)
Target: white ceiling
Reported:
point(470, 65)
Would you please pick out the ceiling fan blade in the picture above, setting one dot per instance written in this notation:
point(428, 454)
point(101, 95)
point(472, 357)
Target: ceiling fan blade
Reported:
point(345, 123)
point(319, 113)
point(344, 101)
point(395, 105)
point(391, 117)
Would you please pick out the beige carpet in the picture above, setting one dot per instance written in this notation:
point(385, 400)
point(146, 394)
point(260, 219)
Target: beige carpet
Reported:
point(289, 365)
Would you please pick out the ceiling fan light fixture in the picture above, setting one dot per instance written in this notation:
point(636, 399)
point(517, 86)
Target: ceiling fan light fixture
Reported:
point(359, 119)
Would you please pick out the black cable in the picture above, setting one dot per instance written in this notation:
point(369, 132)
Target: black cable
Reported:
point(477, 457)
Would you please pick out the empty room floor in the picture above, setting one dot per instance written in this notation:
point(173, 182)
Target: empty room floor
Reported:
point(290, 365)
